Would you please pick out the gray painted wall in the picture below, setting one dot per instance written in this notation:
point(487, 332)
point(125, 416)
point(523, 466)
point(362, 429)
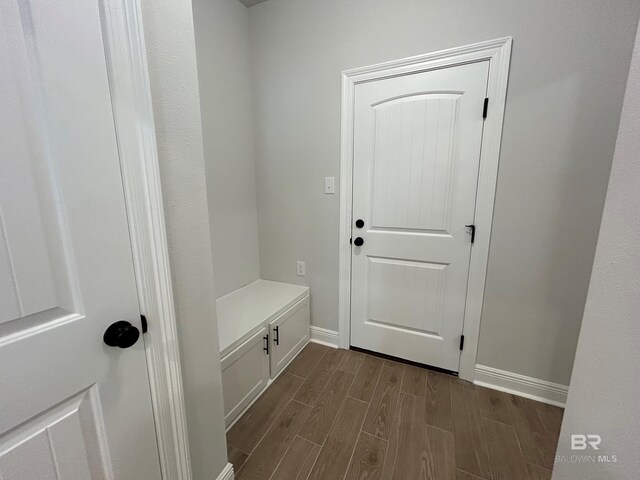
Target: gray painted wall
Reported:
point(604, 393)
point(222, 44)
point(569, 66)
point(174, 87)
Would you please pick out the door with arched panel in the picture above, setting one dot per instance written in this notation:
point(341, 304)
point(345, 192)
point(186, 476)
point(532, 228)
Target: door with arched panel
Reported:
point(417, 142)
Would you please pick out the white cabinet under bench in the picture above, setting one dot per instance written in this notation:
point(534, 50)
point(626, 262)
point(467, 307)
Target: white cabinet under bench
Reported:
point(262, 327)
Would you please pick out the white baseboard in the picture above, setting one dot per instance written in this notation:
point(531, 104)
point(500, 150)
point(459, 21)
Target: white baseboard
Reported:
point(324, 336)
point(521, 385)
point(226, 473)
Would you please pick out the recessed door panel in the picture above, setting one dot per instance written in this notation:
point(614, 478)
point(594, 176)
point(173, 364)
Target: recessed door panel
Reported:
point(413, 171)
point(65, 442)
point(407, 295)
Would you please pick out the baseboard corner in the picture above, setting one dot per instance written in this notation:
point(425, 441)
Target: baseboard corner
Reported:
point(226, 473)
point(521, 385)
point(324, 336)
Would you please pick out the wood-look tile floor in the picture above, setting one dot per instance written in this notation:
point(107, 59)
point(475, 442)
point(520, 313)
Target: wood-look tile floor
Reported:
point(340, 414)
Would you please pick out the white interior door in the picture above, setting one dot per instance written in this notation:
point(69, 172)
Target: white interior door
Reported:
point(417, 141)
point(71, 407)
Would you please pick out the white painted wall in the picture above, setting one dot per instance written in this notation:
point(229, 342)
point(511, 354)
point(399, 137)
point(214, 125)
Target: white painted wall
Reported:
point(604, 393)
point(174, 87)
point(568, 71)
point(222, 44)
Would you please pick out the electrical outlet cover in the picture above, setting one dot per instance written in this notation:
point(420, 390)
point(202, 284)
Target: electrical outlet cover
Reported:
point(301, 269)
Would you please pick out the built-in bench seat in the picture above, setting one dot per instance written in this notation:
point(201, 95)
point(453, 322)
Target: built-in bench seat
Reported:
point(261, 328)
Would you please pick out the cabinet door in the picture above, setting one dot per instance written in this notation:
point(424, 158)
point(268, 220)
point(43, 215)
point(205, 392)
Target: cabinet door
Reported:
point(289, 334)
point(245, 373)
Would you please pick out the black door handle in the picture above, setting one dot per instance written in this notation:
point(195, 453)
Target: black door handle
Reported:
point(359, 223)
point(266, 343)
point(358, 242)
point(276, 337)
point(121, 334)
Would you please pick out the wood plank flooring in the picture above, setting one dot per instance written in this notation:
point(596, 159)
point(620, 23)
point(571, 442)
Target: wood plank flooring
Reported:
point(340, 414)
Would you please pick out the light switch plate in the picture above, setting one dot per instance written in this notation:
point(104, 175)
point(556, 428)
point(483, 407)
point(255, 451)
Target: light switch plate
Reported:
point(329, 185)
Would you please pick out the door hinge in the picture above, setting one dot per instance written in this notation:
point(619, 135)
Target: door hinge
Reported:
point(473, 232)
point(485, 107)
point(461, 342)
point(143, 321)
point(266, 343)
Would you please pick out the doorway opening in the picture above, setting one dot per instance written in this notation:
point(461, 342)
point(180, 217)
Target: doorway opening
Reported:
point(414, 248)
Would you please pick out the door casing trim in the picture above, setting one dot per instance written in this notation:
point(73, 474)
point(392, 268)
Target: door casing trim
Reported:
point(498, 53)
point(125, 53)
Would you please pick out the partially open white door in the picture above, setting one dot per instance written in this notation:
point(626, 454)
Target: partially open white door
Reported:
point(71, 407)
point(417, 141)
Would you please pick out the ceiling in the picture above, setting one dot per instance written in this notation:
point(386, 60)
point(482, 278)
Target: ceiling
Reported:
point(251, 3)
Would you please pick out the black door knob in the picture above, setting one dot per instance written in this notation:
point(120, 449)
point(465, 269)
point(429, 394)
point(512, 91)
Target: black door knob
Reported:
point(358, 242)
point(359, 223)
point(121, 334)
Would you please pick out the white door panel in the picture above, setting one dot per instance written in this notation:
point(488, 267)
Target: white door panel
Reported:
point(71, 406)
point(408, 292)
point(417, 142)
point(412, 173)
point(62, 443)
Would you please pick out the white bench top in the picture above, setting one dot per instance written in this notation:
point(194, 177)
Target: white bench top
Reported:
point(244, 311)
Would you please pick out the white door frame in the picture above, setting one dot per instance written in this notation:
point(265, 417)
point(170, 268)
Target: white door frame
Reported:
point(135, 132)
point(498, 53)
